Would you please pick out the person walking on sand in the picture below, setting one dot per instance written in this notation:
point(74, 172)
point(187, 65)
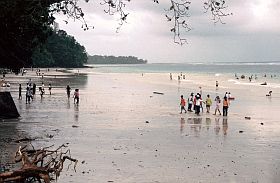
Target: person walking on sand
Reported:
point(190, 102)
point(76, 96)
point(68, 91)
point(197, 103)
point(217, 84)
point(50, 88)
point(218, 103)
point(225, 106)
point(208, 103)
point(19, 92)
point(183, 104)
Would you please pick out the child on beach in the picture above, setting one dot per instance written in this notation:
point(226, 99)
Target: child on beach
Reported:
point(182, 104)
point(76, 96)
point(208, 103)
point(218, 103)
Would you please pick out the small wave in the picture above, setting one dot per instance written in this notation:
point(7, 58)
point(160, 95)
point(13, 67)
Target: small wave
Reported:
point(270, 85)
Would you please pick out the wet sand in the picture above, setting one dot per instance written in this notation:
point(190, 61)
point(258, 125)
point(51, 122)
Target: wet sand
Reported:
point(128, 134)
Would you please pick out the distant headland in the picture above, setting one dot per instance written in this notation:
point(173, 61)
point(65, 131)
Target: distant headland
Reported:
point(99, 59)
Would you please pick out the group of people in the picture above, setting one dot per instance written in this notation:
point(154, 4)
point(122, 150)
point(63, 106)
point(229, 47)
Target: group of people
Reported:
point(31, 92)
point(195, 103)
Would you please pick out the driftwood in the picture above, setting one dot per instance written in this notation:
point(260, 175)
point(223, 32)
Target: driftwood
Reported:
point(40, 165)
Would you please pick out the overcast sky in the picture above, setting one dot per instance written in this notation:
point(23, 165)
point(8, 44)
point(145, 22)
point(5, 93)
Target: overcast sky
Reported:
point(251, 34)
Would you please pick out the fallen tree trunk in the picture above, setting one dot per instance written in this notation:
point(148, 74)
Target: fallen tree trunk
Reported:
point(38, 165)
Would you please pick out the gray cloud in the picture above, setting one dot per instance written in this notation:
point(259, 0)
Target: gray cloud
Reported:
point(250, 34)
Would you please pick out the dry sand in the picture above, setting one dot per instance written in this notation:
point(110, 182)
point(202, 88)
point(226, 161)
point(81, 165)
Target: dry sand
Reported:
point(128, 134)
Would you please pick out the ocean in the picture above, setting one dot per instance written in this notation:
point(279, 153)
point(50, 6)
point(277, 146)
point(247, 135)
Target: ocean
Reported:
point(269, 68)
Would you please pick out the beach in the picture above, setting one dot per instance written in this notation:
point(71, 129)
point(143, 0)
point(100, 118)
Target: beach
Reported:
point(126, 133)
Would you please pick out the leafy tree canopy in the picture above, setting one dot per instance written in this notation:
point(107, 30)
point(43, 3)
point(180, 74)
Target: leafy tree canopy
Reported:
point(60, 50)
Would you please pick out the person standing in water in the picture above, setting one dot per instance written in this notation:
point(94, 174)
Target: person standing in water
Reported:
point(68, 91)
point(208, 103)
point(225, 106)
point(183, 104)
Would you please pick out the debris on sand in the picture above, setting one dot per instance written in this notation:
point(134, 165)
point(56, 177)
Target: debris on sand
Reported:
point(75, 126)
point(241, 131)
point(159, 93)
point(247, 117)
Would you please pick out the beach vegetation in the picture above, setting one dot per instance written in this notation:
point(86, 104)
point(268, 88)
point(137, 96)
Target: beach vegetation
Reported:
point(60, 50)
point(98, 59)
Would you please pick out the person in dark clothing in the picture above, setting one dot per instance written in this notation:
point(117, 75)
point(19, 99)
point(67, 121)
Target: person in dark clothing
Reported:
point(68, 91)
point(34, 89)
point(19, 92)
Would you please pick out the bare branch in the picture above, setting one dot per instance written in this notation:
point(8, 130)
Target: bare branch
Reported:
point(217, 8)
point(116, 6)
point(178, 13)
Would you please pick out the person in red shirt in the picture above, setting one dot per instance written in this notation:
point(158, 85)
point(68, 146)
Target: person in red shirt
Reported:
point(183, 104)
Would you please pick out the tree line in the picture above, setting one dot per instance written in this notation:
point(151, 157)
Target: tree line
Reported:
point(59, 50)
point(98, 59)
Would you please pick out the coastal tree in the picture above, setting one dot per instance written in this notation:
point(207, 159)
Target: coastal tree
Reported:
point(24, 24)
point(59, 50)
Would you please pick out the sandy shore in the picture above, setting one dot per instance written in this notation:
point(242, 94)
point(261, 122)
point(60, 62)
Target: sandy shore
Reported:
point(128, 134)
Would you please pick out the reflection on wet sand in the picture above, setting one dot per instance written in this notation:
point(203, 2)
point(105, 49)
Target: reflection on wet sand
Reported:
point(182, 122)
point(225, 125)
point(217, 126)
point(197, 125)
point(76, 113)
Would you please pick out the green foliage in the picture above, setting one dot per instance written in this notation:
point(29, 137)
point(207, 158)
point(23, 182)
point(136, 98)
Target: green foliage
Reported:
point(23, 25)
point(42, 58)
point(97, 59)
point(60, 50)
